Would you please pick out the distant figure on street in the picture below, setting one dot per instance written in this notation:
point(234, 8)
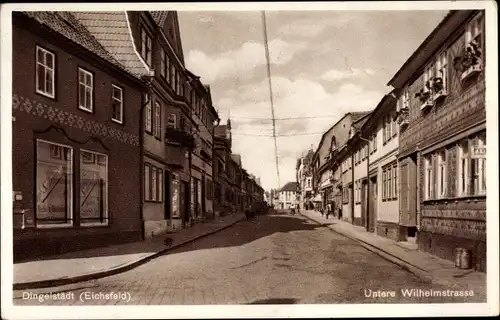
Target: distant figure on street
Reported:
point(329, 210)
point(298, 207)
point(292, 208)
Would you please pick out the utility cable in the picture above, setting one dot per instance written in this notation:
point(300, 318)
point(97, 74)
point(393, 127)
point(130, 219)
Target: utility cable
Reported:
point(268, 63)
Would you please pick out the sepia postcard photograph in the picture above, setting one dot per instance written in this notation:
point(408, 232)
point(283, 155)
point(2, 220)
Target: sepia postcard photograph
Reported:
point(244, 160)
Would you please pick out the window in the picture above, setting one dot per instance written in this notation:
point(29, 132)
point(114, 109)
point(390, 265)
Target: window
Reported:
point(147, 182)
point(474, 29)
point(442, 70)
point(163, 63)
point(178, 83)
point(45, 75)
point(388, 126)
point(149, 114)
point(389, 182)
point(154, 183)
point(160, 185)
point(146, 46)
point(441, 176)
point(393, 123)
point(384, 184)
point(54, 184)
point(463, 168)
point(395, 182)
point(93, 188)
point(429, 178)
point(172, 121)
point(478, 168)
point(157, 122)
point(172, 75)
point(85, 90)
point(117, 104)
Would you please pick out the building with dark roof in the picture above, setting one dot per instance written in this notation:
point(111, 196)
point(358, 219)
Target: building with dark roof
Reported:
point(442, 149)
point(76, 118)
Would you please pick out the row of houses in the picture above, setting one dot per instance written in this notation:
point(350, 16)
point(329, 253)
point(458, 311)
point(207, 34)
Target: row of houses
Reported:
point(414, 168)
point(114, 139)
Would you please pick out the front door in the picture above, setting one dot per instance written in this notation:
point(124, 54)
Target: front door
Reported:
point(203, 204)
point(364, 202)
point(184, 201)
point(373, 204)
point(408, 192)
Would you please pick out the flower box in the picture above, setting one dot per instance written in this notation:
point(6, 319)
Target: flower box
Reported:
point(472, 70)
point(426, 105)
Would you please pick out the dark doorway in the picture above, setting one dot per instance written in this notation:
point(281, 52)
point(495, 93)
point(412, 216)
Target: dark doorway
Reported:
point(168, 195)
point(203, 198)
point(184, 199)
point(372, 207)
point(364, 203)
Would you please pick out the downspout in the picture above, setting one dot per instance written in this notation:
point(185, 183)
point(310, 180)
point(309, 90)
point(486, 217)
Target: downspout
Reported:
point(147, 83)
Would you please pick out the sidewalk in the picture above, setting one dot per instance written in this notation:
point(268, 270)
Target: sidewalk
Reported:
point(426, 266)
point(95, 263)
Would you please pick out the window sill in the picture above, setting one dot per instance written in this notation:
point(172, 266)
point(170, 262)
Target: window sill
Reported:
point(94, 224)
point(456, 199)
point(117, 121)
point(86, 110)
point(54, 226)
point(46, 95)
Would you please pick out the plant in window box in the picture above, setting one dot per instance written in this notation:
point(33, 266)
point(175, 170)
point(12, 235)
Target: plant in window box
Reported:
point(438, 88)
point(403, 117)
point(424, 96)
point(185, 139)
point(470, 63)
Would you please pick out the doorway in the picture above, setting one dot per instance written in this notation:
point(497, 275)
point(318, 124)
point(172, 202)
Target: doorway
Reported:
point(184, 207)
point(168, 196)
point(364, 203)
point(372, 207)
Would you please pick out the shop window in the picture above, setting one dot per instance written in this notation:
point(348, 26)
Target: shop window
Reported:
point(54, 184)
point(93, 188)
point(45, 72)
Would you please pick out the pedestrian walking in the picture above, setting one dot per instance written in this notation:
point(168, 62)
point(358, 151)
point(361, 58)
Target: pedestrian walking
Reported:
point(328, 209)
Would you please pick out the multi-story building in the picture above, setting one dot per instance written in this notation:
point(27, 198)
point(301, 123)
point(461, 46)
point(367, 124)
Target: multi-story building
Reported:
point(331, 142)
point(305, 179)
point(206, 118)
point(151, 40)
point(288, 195)
point(75, 119)
point(442, 144)
point(376, 193)
point(221, 165)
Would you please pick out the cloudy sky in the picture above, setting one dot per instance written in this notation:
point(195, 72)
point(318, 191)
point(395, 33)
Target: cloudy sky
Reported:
point(323, 64)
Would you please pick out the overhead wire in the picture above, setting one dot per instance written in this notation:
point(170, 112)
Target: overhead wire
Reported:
point(268, 64)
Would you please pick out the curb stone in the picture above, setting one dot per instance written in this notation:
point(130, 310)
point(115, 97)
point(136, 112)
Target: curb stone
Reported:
point(113, 270)
point(420, 273)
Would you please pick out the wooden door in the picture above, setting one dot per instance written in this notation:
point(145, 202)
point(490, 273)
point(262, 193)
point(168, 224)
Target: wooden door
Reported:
point(373, 204)
point(408, 193)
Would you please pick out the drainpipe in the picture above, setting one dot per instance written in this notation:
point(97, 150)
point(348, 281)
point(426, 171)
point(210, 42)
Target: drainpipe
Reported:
point(368, 181)
point(147, 82)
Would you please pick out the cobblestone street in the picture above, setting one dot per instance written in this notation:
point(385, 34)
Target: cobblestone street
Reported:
point(275, 259)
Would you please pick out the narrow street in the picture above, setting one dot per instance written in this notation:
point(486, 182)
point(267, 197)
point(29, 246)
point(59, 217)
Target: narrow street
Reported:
point(274, 259)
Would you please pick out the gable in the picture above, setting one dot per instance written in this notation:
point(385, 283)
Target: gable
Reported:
point(172, 31)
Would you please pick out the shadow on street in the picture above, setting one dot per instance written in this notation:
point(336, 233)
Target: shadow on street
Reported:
point(276, 301)
point(250, 230)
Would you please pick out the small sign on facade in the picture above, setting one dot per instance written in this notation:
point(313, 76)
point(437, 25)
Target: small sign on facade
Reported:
point(478, 152)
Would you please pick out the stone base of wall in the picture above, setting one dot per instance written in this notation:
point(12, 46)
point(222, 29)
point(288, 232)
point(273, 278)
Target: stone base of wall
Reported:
point(155, 228)
point(358, 221)
point(444, 247)
point(43, 246)
point(388, 230)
